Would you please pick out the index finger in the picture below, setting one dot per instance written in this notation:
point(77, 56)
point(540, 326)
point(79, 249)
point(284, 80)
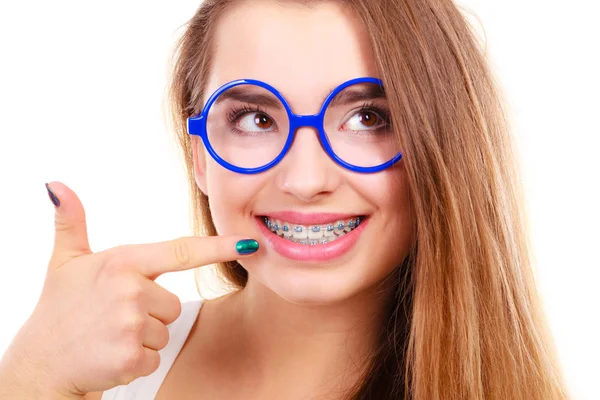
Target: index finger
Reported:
point(155, 259)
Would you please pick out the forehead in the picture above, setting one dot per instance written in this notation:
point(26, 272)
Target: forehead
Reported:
point(303, 51)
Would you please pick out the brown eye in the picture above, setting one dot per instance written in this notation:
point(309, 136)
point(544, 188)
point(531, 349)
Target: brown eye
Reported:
point(262, 121)
point(368, 118)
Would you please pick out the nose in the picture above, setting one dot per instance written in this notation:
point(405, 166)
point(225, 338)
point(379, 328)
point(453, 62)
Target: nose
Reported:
point(306, 171)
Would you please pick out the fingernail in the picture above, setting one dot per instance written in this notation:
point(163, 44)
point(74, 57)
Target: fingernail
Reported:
point(52, 196)
point(247, 246)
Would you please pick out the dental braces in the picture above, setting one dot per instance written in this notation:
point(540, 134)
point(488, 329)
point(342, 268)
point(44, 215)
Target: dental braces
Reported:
point(352, 223)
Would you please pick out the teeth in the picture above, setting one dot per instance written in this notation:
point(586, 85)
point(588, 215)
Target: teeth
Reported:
point(286, 230)
point(349, 226)
point(328, 232)
point(313, 234)
point(300, 232)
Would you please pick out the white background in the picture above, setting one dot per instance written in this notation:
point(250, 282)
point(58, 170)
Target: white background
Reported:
point(81, 90)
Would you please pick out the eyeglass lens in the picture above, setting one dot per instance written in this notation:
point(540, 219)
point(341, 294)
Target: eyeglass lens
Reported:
point(248, 126)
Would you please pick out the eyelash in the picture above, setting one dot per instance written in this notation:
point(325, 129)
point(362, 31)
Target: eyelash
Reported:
point(237, 112)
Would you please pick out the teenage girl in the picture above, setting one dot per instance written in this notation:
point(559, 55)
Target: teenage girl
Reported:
point(352, 174)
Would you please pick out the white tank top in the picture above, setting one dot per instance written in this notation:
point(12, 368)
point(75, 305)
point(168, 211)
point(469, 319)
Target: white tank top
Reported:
point(146, 387)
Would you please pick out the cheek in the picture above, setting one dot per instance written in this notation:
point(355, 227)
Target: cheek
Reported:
point(389, 194)
point(223, 200)
point(230, 198)
point(387, 191)
point(397, 205)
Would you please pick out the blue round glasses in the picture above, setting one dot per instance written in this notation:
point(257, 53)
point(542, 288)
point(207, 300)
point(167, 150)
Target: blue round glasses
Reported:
point(247, 126)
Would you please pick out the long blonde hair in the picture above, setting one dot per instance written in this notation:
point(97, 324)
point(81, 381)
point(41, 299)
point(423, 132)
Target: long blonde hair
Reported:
point(466, 321)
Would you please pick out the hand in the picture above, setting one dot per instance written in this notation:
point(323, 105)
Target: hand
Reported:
point(101, 318)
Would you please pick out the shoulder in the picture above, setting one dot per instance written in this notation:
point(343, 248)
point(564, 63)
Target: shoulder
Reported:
point(146, 387)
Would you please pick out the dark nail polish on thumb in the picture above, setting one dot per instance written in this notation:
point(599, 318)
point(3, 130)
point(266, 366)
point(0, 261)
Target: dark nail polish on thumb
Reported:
point(53, 197)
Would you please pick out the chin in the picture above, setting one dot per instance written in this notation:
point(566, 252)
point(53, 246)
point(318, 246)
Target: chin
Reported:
point(312, 285)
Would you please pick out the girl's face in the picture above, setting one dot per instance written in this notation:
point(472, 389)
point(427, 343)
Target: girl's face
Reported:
point(304, 52)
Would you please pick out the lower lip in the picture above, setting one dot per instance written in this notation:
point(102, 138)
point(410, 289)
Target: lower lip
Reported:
point(318, 252)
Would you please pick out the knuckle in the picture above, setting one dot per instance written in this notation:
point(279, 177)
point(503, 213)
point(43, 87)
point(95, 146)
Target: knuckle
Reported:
point(135, 323)
point(175, 305)
point(125, 379)
point(152, 362)
point(61, 225)
point(116, 260)
point(173, 309)
point(135, 294)
point(132, 362)
point(172, 301)
point(181, 251)
point(164, 336)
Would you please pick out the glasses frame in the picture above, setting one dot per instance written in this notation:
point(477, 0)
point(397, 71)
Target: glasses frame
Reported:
point(197, 126)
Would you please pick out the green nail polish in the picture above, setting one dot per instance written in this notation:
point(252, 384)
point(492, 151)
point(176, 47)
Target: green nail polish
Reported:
point(247, 246)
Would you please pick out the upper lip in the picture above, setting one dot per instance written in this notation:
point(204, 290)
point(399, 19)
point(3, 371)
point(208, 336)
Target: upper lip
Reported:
point(319, 218)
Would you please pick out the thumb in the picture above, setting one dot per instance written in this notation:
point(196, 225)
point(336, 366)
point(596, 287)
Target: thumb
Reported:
point(70, 229)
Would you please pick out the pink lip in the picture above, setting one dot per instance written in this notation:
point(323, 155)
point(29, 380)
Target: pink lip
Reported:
point(306, 253)
point(309, 219)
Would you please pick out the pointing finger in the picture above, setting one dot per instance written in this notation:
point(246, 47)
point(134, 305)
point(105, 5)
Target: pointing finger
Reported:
point(155, 259)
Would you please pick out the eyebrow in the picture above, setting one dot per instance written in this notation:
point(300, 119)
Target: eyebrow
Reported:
point(346, 96)
point(352, 95)
point(244, 96)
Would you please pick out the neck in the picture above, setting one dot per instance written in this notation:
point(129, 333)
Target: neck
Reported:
point(308, 345)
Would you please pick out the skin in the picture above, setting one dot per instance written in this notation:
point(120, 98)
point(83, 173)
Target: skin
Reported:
point(297, 330)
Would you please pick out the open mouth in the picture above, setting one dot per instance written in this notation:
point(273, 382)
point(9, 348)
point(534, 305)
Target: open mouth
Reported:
point(312, 235)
